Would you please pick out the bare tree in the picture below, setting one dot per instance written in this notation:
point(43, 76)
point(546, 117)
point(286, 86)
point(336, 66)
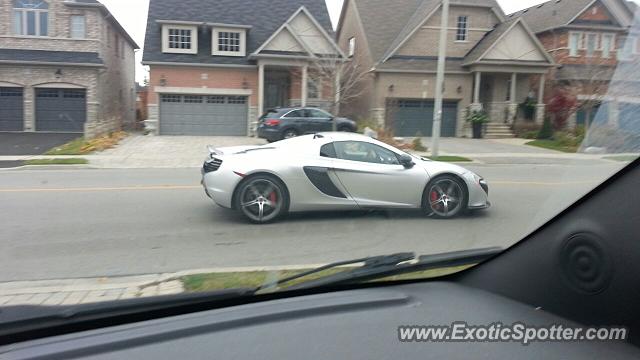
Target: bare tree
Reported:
point(345, 76)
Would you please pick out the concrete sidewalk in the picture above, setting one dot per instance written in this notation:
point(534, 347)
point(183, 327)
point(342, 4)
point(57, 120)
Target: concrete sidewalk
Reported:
point(92, 290)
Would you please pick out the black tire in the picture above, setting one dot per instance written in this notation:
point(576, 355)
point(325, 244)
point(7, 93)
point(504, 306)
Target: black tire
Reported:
point(345, 129)
point(441, 193)
point(289, 133)
point(262, 191)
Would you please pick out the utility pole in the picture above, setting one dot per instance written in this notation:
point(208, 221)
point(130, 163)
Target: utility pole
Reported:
point(442, 58)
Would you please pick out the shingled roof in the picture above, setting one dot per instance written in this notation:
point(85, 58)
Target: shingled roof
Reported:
point(558, 13)
point(264, 17)
point(45, 56)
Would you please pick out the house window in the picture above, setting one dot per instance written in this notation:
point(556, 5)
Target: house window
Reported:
point(591, 44)
point(352, 47)
point(462, 28)
point(313, 88)
point(78, 27)
point(180, 39)
point(574, 43)
point(31, 17)
point(607, 44)
point(228, 42)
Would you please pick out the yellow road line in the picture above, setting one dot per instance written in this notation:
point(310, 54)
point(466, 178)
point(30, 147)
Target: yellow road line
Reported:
point(94, 189)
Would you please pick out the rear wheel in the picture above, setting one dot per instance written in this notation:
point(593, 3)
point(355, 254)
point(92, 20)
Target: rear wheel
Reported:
point(262, 199)
point(289, 133)
point(445, 197)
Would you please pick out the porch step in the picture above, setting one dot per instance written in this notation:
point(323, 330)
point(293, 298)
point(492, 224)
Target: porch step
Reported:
point(498, 131)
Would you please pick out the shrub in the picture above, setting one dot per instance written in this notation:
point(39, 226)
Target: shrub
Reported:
point(477, 117)
point(560, 106)
point(417, 145)
point(547, 130)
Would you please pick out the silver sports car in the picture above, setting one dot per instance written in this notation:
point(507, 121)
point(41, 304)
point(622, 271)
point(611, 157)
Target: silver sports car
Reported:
point(336, 171)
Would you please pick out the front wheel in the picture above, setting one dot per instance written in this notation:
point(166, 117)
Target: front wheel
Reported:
point(262, 199)
point(445, 197)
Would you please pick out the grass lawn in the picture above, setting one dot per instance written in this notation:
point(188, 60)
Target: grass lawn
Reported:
point(446, 158)
point(553, 145)
point(73, 161)
point(623, 158)
point(81, 146)
point(220, 281)
point(73, 147)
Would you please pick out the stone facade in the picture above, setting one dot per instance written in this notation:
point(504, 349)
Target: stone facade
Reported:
point(110, 87)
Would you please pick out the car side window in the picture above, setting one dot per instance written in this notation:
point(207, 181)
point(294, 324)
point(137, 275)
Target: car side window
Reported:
point(295, 114)
point(328, 151)
point(315, 113)
point(365, 152)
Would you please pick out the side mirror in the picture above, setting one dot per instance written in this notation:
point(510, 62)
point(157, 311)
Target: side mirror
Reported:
point(407, 161)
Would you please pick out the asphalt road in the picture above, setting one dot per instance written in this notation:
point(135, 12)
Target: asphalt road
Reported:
point(80, 223)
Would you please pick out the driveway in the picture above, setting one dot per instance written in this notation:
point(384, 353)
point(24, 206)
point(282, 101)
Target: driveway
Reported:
point(139, 151)
point(18, 144)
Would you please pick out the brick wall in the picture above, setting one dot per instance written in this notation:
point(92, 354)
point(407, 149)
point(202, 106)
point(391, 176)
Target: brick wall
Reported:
point(557, 44)
point(203, 77)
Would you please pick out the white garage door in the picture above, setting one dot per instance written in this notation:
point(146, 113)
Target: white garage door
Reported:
point(203, 115)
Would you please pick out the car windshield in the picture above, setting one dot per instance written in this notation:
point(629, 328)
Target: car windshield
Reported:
point(210, 147)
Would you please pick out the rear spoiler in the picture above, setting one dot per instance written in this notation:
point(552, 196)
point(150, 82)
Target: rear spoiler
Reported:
point(213, 151)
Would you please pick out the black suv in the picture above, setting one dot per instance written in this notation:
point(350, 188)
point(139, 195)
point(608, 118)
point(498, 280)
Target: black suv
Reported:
point(285, 123)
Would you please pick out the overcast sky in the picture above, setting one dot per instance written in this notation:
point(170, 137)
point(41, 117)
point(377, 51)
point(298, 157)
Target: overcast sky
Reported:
point(132, 14)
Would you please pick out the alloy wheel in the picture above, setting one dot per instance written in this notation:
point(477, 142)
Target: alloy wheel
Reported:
point(289, 134)
point(261, 200)
point(446, 197)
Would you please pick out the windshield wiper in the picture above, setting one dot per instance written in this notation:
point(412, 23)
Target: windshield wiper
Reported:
point(378, 267)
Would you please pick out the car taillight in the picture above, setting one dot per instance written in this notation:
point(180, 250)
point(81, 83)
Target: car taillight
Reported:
point(272, 122)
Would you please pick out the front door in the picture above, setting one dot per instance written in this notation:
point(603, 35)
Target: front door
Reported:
point(319, 121)
point(374, 177)
point(276, 89)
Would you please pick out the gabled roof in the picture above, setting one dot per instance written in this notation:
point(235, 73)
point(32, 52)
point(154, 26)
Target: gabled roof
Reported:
point(559, 13)
point(264, 16)
point(492, 39)
point(388, 24)
point(302, 34)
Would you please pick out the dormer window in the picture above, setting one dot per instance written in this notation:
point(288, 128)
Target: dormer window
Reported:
point(228, 42)
point(31, 17)
point(180, 39)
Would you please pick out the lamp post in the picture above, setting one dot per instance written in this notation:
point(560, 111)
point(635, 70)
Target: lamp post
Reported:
point(442, 58)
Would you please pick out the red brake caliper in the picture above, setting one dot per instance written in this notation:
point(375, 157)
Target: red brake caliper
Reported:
point(273, 198)
point(434, 196)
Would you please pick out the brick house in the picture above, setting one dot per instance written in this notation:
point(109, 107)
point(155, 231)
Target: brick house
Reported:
point(215, 66)
point(590, 40)
point(65, 66)
point(493, 63)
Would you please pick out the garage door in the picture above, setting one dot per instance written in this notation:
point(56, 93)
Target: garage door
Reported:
point(413, 117)
point(11, 109)
point(61, 110)
point(203, 115)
